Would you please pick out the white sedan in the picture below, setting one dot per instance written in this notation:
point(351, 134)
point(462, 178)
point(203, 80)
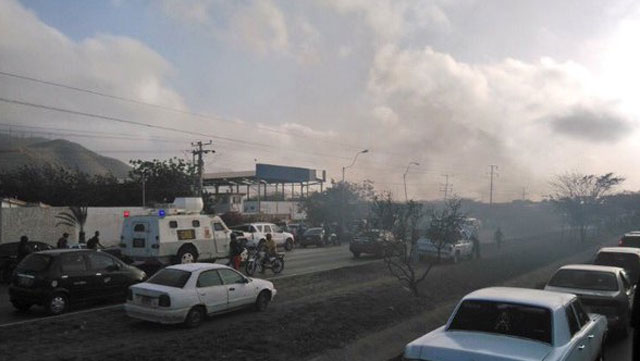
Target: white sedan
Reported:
point(514, 324)
point(186, 293)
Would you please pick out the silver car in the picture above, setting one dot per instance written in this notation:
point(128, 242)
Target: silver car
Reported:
point(605, 290)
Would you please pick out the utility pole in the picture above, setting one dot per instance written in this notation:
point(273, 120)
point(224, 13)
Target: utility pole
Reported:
point(524, 193)
point(446, 187)
point(199, 151)
point(494, 169)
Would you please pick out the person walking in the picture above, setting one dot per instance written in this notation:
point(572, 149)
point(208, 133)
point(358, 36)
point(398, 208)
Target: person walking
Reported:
point(63, 242)
point(234, 252)
point(94, 242)
point(23, 248)
point(497, 237)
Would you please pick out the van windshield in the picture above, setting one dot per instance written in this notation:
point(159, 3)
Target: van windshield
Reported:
point(170, 278)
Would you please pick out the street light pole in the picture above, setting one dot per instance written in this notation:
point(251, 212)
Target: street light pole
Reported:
point(404, 176)
point(354, 162)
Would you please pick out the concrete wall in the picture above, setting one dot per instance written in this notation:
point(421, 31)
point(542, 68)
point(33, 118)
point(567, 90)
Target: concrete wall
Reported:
point(39, 224)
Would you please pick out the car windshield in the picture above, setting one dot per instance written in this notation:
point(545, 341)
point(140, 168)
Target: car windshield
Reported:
point(35, 262)
point(313, 232)
point(170, 277)
point(629, 262)
point(503, 318)
point(583, 279)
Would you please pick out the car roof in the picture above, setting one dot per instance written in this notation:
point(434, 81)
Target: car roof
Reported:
point(58, 251)
point(592, 267)
point(525, 296)
point(193, 267)
point(630, 250)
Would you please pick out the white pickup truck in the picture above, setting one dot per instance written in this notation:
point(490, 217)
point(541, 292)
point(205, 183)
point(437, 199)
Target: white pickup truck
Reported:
point(256, 233)
point(453, 252)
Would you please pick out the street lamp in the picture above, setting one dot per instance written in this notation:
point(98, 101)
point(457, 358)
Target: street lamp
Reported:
point(404, 176)
point(354, 162)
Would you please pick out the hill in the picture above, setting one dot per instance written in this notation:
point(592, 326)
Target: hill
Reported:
point(16, 152)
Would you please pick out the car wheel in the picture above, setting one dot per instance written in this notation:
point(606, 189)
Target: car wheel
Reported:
point(288, 244)
point(187, 254)
point(21, 306)
point(356, 254)
point(194, 317)
point(57, 304)
point(262, 302)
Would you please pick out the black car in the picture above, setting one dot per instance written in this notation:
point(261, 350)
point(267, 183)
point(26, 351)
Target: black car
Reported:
point(58, 278)
point(9, 257)
point(631, 239)
point(317, 236)
point(374, 241)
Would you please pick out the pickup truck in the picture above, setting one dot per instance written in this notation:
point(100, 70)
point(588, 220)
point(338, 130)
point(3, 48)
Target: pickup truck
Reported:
point(514, 324)
point(453, 252)
point(256, 233)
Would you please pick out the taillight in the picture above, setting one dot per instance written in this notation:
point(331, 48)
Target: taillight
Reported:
point(130, 295)
point(164, 301)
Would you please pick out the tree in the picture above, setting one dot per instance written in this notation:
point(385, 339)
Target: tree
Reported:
point(342, 203)
point(76, 217)
point(164, 179)
point(581, 197)
point(403, 221)
point(445, 224)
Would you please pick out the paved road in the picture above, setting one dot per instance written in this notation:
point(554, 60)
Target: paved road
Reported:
point(619, 349)
point(297, 262)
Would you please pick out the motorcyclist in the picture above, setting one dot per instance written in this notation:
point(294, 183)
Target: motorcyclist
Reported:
point(269, 250)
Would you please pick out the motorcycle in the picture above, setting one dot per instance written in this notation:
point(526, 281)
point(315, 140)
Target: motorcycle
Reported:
point(257, 262)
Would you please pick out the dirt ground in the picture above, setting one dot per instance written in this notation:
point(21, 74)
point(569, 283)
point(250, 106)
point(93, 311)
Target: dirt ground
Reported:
point(310, 314)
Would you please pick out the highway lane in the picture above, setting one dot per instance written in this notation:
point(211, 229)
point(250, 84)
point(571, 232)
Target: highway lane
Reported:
point(297, 262)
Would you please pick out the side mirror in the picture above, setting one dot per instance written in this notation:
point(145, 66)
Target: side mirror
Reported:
point(244, 280)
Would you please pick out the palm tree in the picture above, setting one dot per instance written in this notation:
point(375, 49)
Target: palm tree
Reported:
point(77, 217)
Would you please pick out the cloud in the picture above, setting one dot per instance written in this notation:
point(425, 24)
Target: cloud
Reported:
point(593, 126)
point(261, 26)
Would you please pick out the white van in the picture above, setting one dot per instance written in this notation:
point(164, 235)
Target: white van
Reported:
point(174, 238)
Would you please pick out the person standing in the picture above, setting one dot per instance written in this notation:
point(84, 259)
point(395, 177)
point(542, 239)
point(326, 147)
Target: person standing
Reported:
point(63, 242)
point(234, 252)
point(23, 248)
point(94, 242)
point(497, 237)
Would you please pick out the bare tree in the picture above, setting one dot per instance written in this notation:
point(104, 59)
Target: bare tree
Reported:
point(445, 224)
point(403, 220)
point(581, 196)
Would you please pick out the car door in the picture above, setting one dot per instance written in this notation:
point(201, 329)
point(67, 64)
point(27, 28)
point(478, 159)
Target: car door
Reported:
point(75, 275)
point(221, 236)
point(629, 289)
point(109, 279)
point(239, 288)
point(582, 341)
point(212, 292)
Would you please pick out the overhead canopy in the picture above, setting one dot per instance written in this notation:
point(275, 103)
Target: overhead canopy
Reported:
point(266, 174)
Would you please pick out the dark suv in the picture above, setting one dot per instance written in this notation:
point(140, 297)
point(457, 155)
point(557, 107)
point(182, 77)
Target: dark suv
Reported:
point(631, 239)
point(57, 278)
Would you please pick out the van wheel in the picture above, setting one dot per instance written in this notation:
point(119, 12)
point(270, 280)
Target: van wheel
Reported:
point(187, 254)
point(57, 304)
point(288, 244)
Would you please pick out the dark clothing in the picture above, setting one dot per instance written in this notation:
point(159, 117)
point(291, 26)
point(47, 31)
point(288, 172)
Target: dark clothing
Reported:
point(635, 324)
point(63, 243)
point(23, 250)
point(476, 246)
point(234, 247)
point(93, 243)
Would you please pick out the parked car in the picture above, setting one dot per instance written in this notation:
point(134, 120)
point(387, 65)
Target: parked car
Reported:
point(317, 236)
point(631, 239)
point(371, 241)
point(174, 238)
point(189, 292)
point(502, 323)
point(256, 234)
point(461, 249)
point(58, 278)
point(602, 289)
point(624, 257)
point(9, 257)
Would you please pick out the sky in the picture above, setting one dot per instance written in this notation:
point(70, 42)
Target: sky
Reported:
point(536, 87)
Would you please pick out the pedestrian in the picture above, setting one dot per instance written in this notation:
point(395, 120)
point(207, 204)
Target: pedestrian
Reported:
point(63, 242)
point(23, 248)
point(635, 324)
point(476, 245)
point(497, 237)
point(234, 252)
point(94, 242)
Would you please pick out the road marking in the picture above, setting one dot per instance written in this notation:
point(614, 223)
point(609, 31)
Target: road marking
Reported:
point(47, 318)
